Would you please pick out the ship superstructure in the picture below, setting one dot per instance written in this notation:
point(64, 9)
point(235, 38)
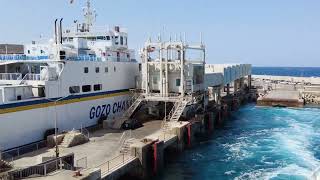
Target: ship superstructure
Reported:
point(78, 79)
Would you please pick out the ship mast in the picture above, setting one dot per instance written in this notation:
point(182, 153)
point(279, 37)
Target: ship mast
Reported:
point(89, 14)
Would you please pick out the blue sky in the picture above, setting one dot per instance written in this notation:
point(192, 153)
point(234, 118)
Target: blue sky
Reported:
point(261, 32)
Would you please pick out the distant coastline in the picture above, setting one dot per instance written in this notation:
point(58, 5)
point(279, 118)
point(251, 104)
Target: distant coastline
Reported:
point(287, 71)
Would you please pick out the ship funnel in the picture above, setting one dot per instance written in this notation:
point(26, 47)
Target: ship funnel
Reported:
point(55, 31)
point(117, 28)
point(61, 30)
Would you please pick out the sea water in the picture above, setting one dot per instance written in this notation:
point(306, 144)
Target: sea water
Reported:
point(287, 71)
point(255, 143)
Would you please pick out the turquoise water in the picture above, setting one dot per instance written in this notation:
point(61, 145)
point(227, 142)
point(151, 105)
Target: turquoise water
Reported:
point(255, 143)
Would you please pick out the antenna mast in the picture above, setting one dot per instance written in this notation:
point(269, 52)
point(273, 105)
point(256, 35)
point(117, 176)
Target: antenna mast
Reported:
point(89, 14)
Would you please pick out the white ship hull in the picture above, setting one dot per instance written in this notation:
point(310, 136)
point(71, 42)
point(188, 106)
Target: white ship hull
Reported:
point(24, 127)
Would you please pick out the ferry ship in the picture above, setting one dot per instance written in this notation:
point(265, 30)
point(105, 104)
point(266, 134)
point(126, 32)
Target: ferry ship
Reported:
point(78, 79)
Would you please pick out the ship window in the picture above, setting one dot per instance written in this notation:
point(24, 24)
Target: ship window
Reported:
point(97, 87)
point(126, 40)
point(100, 38)
point(121, 40)
point(41, 51)
point(97, 70)
point(155, 80)
point(116, 40)
point(28, 51)
point(178, 82)
point(114, 69)
point(86, 70)
point(106, 69)
point(86, 88)
point(74, 89)
point(108, 38)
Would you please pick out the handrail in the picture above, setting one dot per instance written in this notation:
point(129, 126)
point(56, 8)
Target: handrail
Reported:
point(32, 77)
point(125, 136)
point(41, 170)
point(109, 165)
point(17, 152)
point(10, 76)
point(82, 163)
point(85, 132)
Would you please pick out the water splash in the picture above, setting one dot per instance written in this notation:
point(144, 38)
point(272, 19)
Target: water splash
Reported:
point(256, 143)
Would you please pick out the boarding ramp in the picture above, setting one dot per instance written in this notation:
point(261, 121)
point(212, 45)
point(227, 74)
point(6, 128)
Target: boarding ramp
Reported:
point(137, 100)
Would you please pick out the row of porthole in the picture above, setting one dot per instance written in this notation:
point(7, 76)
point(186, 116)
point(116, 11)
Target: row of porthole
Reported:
point(106, 69)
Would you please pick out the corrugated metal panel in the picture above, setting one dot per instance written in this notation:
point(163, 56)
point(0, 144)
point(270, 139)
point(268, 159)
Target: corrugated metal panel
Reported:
point(214, 79)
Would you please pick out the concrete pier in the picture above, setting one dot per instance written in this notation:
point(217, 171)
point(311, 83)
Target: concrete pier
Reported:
point(281, 98)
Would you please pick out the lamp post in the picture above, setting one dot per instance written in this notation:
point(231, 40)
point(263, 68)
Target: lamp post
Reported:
point(56, 123)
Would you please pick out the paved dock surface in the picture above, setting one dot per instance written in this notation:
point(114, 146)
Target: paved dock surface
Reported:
point(283, 95)
point(103, 146)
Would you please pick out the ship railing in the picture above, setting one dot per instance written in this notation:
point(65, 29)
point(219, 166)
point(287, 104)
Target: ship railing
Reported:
point(84, 58)
point(33, 77)
point(107, 29)
point(15, 153)
point(10, 76)
point(21, 57)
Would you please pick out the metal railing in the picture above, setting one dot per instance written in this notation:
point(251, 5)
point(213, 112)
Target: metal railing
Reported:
point(15, 153)
point(21, 57)
point(82, 163)
point(125, 135)
point(10, 76)
point(85, 132)
point(84, 58)
point(41, 170)
point(114, 163)
point(32, 77)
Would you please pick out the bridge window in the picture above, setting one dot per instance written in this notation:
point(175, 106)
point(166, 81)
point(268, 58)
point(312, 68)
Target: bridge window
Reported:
point(86, 70)
point(121, 40)
point(97, 87)
point(178, 82)
point(116, 40)
point(114, 69)
point(97, 70)
point(108, 38)
point(106, 69)
point(74, 89)
point(86, 88)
